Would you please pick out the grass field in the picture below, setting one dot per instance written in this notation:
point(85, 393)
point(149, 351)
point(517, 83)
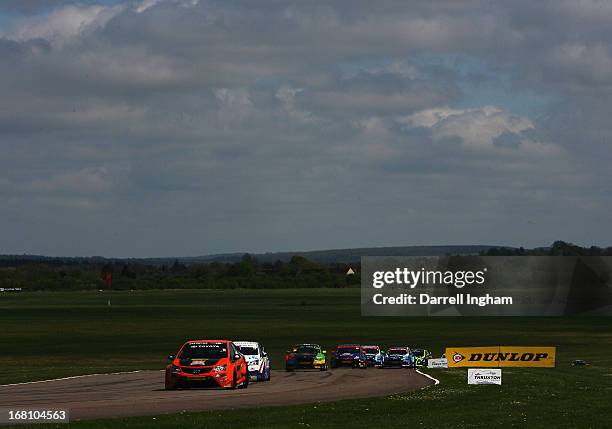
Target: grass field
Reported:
point(46, 335)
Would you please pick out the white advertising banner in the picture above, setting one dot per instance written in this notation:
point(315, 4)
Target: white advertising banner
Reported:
point(437, 363)
point(484, 376)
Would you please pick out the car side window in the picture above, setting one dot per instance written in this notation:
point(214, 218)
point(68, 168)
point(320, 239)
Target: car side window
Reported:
point(232, 350)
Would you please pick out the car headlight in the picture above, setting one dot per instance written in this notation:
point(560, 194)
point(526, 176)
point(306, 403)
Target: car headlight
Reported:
point(176, 369)
point(219, 368)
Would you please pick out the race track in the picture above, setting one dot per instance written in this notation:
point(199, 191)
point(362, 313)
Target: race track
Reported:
point(142, 393)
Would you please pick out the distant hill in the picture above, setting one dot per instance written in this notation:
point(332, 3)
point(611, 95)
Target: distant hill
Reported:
point(321, 256)
point(348, 255)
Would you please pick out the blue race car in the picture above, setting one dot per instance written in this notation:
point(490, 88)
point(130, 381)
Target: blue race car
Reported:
point(371, 352)
point(379, 359)
point(257, 360)
point(349, 355)
point(399, 356)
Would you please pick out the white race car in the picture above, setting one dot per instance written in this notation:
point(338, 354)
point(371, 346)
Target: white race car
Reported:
point(257, 359)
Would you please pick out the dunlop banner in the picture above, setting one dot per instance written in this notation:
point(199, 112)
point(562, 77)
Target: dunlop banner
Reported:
point(460, 357)
point(501, 356)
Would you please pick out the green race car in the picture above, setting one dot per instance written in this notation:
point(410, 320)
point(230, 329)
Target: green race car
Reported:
point(421, 357)
point(306, 356)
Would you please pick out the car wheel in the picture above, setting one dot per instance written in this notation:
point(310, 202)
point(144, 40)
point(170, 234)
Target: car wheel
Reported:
point(245, 383)
point(268, 375)
point(234, 381)
point(170, 383)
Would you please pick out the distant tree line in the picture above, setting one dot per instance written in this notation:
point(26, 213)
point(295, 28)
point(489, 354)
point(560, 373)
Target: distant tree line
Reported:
point(558, 248)
point(43, 273)
point(82, 274)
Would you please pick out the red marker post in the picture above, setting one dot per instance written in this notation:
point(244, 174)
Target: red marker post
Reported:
point(108, 280)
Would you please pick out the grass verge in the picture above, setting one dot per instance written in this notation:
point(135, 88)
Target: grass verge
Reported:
point(51, 335)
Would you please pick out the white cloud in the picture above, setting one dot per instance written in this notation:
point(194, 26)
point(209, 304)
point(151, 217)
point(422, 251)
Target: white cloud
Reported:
point(476, 127)
point(148, 4)
point(65, 23)
point(234, 105)
point(287, 96)
point(73, 20)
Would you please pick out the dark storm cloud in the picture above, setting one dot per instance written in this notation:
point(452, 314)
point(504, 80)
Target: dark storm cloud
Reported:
point(29, 6)
point(163, 127)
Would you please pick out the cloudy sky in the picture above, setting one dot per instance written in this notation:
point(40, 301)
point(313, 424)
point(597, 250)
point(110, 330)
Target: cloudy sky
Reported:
point(186, 127)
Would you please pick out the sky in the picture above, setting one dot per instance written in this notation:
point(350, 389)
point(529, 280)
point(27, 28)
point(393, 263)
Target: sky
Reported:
point(187, 127)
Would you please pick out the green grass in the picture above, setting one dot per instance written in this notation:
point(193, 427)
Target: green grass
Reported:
point(46, 335)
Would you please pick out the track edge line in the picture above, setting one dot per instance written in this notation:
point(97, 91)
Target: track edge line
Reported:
point(435, 380)
point(70, 378)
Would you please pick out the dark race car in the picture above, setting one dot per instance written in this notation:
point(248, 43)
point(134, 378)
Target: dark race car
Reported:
point(371, 352)
point(305, 356)
point(399, 357)
point(421, 357)
point(349, 355)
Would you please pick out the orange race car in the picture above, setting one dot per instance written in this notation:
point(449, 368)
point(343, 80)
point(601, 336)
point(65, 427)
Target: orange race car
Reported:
point(215, 363)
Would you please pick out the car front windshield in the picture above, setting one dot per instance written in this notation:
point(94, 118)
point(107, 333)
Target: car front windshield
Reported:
point(351, 350)
point(306, 349)
point(418, 352)
point(397, 351)
point(248, 350)
point(370, 350)
point(204, 351)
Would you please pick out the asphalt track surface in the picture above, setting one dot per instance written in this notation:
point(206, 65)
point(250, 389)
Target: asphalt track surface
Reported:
point(142, 393)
